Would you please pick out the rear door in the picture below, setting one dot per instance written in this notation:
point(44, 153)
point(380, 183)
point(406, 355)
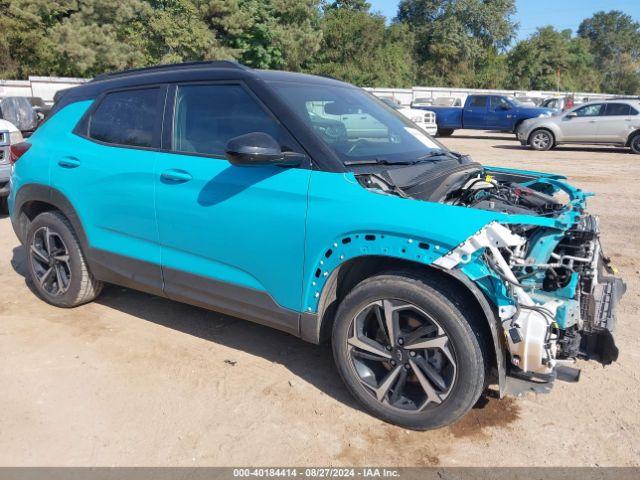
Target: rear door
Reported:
point(583, 127)
point(617, 122)
point(475, 112)
point(106, 170)
point(232, 237)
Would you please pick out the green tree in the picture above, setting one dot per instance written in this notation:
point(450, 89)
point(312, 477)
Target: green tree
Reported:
point(455, 39)
point(23, 34)
point(535, 63)
point(358, 47)
point(266, 33)
point(615, 41)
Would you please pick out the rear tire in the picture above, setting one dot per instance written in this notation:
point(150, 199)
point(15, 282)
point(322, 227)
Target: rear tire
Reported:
point(541, 140)
point(635, 143)
point(4, 206)
point(427, 374)
point(445, 132)
point(56, 263)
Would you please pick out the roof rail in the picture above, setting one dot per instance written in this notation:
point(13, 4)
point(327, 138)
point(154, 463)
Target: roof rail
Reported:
point(171, 66)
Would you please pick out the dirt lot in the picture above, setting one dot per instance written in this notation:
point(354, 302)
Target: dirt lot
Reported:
point(134, 379)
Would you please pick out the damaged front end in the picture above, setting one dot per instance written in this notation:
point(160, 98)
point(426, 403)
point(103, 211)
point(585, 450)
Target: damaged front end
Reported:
point(555, 290)
point(540, 261)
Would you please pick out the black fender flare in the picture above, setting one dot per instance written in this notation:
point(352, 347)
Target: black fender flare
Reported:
point(34, 192)
point(313, 326)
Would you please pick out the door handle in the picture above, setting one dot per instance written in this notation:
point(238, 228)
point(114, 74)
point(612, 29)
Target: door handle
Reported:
point(69, 162)
point(175, 176)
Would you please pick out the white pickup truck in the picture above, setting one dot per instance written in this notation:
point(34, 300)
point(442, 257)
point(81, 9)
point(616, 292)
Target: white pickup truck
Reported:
point(425, 119)
point(9, 135)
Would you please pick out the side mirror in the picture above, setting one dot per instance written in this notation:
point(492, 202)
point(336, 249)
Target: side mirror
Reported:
point(571, 115)
point(259, 149)
point(503, 108)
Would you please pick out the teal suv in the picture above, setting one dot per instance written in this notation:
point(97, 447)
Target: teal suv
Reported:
point(256, 194)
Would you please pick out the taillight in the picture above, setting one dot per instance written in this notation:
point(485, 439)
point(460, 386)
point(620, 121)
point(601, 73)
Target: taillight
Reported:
point(17, 150)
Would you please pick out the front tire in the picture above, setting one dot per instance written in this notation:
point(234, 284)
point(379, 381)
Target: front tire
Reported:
point(541, 140)
point(635, 144)
point(56, 263)
point(445, 132)
point(408, 353)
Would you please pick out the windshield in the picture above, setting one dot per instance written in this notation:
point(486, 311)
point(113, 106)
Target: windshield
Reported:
point(357, 126)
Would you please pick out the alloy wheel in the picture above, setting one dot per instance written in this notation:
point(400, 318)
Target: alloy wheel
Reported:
point(49, 258)
point(401, 355)
point(541, 140)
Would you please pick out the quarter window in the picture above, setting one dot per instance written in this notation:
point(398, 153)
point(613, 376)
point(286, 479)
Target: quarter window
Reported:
point(208, 116)
point(615, 109)
point(126, 118)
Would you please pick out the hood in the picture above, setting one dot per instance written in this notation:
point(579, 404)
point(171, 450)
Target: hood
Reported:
point(511, 196)
point(535, 111)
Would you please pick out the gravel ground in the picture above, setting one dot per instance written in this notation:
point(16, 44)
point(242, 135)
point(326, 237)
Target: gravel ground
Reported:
point(133, 379)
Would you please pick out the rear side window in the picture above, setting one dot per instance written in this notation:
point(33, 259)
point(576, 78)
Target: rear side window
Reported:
point(618, 109)
point(208, 116)
point(478, 101)
point(126, 118)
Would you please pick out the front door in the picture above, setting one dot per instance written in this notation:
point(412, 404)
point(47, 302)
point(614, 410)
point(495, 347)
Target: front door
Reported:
point(581, 124)
point(501, 114)
point(232, 237)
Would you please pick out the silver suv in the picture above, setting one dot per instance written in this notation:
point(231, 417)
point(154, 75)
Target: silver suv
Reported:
point(613, 122)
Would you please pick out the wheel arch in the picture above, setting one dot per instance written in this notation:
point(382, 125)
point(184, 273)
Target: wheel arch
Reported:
point(631, 136)
point(554, 135)
point(34, 199)
point(317, 327)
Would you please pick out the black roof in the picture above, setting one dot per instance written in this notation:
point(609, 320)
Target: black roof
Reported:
point(202, 70)
point(192, 71)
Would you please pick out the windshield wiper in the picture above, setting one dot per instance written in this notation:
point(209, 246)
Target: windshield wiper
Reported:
point(437, 153)
point(377, 161)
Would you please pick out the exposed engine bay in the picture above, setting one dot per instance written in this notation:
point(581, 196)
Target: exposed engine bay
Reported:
point(553, 288)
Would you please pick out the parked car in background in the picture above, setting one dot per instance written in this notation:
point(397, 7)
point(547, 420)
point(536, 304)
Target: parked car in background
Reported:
point(559, 104)
point(422, 102)
point(40, 107)
point(9, 135)
point(431, 275)
point(611, 122)
point(447, 102)
point(19, 112)
point(528, 101)
point(485, 112)
point(425, 119)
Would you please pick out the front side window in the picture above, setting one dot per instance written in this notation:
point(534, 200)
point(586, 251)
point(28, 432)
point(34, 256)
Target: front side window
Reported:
point(589, 110)
point(356, 126)
point(500, 103)
point(208, 116)
point(126, 118)
point(617, 109)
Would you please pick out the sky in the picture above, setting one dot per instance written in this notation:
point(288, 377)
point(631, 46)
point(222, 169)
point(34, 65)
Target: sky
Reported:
point(531, 14)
